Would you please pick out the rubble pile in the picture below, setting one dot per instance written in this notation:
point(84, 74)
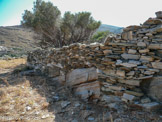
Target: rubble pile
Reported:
point(121, 69)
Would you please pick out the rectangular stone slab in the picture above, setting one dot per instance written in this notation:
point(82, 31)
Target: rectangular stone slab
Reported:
point(128, 96)
point(151, 106)
point(79, 76)
point(130, 56)
point(138, 94)
point(123, 44)
point(130, 82)
point(86, 90)
point(157, 65)
point(155, 46)
point(146, 58)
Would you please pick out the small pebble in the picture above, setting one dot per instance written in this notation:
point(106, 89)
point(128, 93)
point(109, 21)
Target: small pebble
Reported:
point(91, 118)
point(28, 108)
point(45, 116)
point(64, 104)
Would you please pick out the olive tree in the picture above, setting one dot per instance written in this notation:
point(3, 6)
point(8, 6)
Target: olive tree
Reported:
point(56, 31)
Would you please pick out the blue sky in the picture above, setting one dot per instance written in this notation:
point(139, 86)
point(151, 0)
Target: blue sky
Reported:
point(113, 12)
point(11, 11)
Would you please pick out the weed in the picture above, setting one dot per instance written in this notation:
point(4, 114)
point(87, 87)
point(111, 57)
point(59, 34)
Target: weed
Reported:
point(45, 105)
point(2, 94)
point(4, 101)
point(30, 102)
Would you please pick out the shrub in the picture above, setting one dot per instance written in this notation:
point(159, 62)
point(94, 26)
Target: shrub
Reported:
point(56, 31)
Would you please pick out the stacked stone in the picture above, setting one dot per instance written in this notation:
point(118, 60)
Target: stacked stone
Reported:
point(122, 62)
point(138, 56)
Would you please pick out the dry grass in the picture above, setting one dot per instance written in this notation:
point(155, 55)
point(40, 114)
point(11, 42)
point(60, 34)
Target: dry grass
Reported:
point(21, 101)
point(5, 64)
point(9, 65)
point(19, 39)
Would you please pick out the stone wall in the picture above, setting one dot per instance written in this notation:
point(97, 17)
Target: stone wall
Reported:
point(121, 69)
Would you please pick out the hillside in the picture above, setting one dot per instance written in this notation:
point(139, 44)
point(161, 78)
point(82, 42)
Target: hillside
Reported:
point(113, 29)
point(17, 40)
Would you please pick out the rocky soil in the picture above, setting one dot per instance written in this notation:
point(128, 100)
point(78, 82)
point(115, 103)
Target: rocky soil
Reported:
point(26, 96)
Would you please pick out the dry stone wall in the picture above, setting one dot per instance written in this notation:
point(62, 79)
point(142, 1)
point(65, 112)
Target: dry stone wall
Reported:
point(121, 69)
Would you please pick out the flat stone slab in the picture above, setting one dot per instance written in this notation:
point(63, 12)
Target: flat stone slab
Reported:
point(128, 97)
point(110, 98)
point(146, 58)
point(123, 44)
point(129, 65)
point(157, 65)
point(130, 82)
point(151, 106)
point(79, 76)
point(130, 56)
point(87, 90)
point(155, 46)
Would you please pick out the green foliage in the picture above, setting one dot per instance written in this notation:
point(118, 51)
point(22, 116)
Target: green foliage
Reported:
point(45, 19)
point(45, 15)
point(100, 36)
point(27, 18)
point(78, 27)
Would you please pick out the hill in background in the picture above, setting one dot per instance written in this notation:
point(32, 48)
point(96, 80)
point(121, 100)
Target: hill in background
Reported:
point(18, 40)
point(113, 29)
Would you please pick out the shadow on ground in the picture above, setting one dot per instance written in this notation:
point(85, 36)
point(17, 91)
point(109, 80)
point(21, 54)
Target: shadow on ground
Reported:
point(60, 105)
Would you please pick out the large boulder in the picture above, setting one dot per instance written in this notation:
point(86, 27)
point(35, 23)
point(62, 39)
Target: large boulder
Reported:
point(79, 76)
point(159, 14)
point(155, 88)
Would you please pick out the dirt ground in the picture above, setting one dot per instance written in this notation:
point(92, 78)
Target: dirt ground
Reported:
point(27, 97)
